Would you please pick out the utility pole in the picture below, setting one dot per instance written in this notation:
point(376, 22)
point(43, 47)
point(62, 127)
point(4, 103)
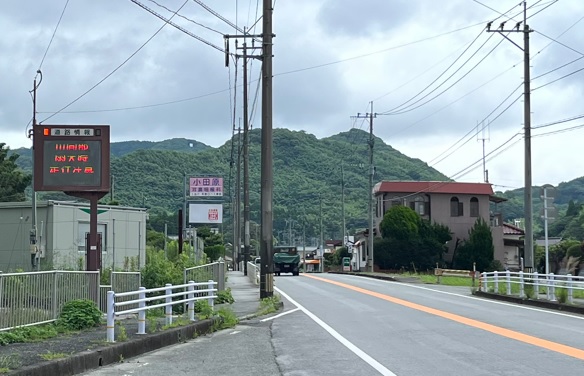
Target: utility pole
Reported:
point(267, 181)
point(527, 195)
point(237, 244)
point(245, 163)
point(371, 115)
point(321, 237)
point(343, 203)
point(34, 249)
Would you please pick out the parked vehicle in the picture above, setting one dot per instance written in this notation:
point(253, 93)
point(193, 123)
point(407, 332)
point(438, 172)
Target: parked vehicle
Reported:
point(286, 260)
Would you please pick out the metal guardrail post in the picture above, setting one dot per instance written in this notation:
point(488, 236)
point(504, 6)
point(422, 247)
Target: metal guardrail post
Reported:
point(168, 308)
point(110, 326)
point(191, 303)
point(535, 285)
point(552, 287)
point(521, 285)
point(508, 279)
point(221, 279)
point(210, 293)
point(569, 286)
point(142, 312)
point(55, 302)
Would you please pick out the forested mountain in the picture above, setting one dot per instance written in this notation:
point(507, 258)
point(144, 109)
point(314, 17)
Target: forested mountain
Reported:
point(119, 149)
point(306, 171)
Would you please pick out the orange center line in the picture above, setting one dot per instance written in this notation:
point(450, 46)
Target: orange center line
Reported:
point(512, 334)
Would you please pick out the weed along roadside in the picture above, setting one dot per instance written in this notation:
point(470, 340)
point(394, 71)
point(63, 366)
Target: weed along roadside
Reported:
point(76, 342)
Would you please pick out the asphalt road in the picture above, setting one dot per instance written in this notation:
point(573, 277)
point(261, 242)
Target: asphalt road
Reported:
point(346, 325)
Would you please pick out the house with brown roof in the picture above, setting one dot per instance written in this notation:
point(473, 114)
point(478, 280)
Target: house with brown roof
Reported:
point(454, 204)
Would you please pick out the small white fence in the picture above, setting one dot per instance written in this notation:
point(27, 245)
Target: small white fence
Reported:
point(253, 273)
point(114, 302)
point(215, 271)
point(510, 283)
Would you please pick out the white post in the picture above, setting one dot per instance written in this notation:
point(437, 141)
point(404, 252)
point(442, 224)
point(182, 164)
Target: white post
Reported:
point(142, 312)
point(545, 226)
point(110, 326)
point(496, 282)
point(211, 293)
point(569, 287)
point(191, 303)
point(552, 287)
point(484, 282)
point(508, 278)
point(535, 285)
point(168, 308)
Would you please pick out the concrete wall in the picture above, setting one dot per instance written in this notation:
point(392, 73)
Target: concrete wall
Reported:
point(63, 226)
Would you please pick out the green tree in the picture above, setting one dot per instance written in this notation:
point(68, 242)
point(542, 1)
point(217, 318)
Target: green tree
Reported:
point(409, 241)
point(337, 258)
point(155, 239)
point(13, 182)
point(401, 223)
point(478, 248)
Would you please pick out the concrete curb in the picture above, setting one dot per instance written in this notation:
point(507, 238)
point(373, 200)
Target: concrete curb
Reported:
point(532, 302)
point(257, 314)
point(92, 359)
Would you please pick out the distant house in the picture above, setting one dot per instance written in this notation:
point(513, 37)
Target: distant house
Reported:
point(512, 246)
point(456, 205)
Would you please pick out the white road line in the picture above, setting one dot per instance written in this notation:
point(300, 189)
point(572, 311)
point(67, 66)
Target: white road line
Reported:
point(345, 342)
point(520, 306)
point(280, 315)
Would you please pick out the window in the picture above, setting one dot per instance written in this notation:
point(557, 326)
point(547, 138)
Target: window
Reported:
point(474, 207)
point(418, 205)
point(456, 207)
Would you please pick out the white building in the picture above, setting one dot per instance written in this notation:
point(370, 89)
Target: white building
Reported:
point(61, 230)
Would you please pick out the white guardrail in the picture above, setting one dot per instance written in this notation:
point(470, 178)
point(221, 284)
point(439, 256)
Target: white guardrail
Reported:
point(253, 273)
point(192, 293)
point(503, 282)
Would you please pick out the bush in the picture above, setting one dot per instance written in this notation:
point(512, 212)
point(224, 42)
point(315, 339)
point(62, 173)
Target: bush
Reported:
point(224, 297)
point(79, 314)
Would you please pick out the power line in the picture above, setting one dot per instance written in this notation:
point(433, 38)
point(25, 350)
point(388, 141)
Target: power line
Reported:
point(187, 19)
point(560, 43)
point(53, 36)
point(441, 74)
point(558, 122)
point(154, 13)
point(558, 68)
point(409, 108)
point(558, 79)
point(119, 66)
point(560, 131)
point(431, 162)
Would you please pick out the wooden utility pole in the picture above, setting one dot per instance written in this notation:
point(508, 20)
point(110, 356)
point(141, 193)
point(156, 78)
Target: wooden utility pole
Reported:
point(267, 182)
point(371, 197)
point(527, 194)
point(245, 164)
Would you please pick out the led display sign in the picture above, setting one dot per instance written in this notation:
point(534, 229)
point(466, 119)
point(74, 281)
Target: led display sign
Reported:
point(71, 158)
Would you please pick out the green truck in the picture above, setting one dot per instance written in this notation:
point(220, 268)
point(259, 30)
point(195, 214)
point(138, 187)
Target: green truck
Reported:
point(286, 262)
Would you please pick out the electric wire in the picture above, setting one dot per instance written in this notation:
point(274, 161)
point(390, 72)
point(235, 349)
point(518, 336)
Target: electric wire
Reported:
point(409, 108)
point(560, 43)
point(438, 77)
point(118, 67)
point(558, 79)
point(176, 26)
point(188, 19)
point(53, 36)
point(558, 122)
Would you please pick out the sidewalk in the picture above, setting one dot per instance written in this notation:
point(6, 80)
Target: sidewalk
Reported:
point(87, 350)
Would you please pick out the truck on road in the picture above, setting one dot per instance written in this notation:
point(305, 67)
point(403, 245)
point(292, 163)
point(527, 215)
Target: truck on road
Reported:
point(286, 260)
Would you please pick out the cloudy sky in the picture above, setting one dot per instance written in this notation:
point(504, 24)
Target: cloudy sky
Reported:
point(429, 67)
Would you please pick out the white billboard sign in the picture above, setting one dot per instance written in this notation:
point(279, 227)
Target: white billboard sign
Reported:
point(205, 213)
point(206, 186)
